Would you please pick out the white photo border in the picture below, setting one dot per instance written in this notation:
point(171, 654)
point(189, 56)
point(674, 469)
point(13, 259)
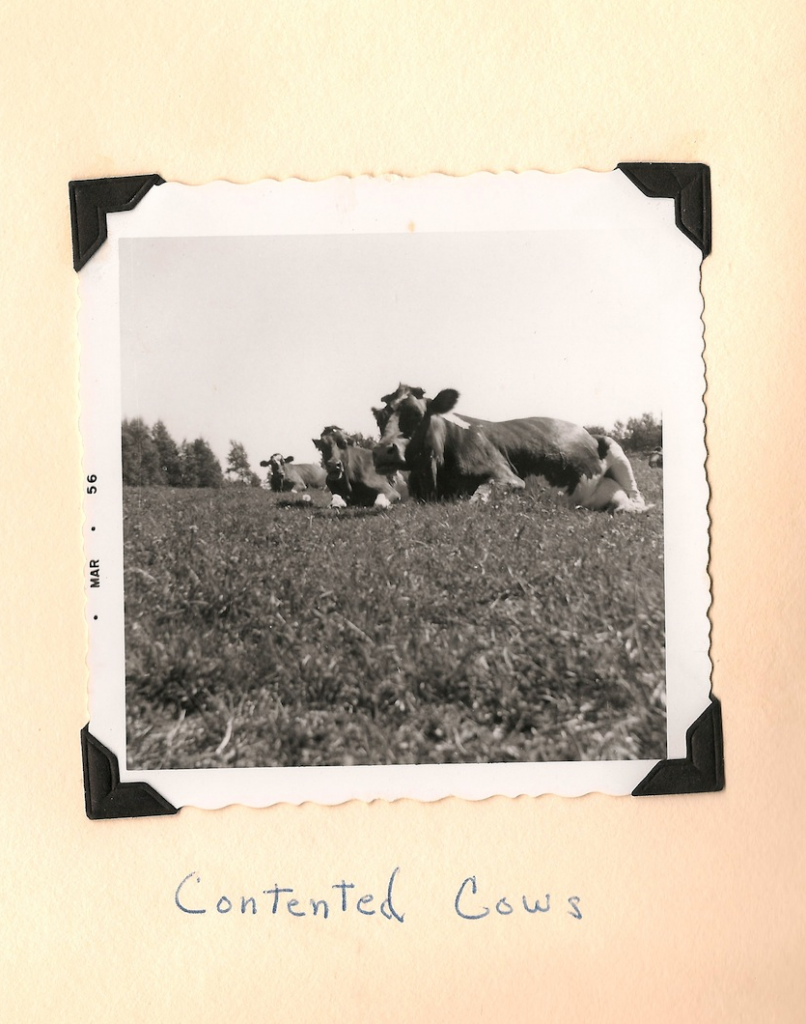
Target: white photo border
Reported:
point(435, 203)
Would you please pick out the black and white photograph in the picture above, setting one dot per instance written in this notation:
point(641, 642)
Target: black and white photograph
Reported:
point(400, 482)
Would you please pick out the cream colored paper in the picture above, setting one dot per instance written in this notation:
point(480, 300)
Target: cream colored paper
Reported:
point(692, 907)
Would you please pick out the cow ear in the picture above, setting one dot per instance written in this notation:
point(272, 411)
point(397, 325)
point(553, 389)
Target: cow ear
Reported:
point(264, 464)
point(444, 401)
point(418, 392)
point(317, 443)
point(386, 399)
point(289, 458)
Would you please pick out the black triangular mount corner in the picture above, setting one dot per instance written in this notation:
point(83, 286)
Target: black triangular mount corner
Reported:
point(690, 187)
point(702, 770)
point(92, 199)
point(105, 796)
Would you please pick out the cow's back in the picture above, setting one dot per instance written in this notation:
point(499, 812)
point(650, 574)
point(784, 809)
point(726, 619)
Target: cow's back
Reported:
point(310, 475)
point(560, 451)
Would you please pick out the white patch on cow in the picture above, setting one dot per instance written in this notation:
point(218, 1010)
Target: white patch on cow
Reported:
point(337, 502)
point(603, 494)
point(451, 417)
point(382, 501)
point(618, 466)
point(627, 504)
point(616, 492)
point(483, 493)
point(585, 492)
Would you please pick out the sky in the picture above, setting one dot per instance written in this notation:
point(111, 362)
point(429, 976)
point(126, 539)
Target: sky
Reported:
point(266, 340)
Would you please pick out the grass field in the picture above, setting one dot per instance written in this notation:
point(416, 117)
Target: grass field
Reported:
point(264, 632)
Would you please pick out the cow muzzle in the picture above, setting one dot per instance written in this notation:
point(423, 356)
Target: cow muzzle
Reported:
point(389, 457)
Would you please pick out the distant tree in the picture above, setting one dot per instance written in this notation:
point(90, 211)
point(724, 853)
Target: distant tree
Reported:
point(643, 433)
point(254, 480)
point(207, 466)
point(238, 468)
point(638, 434)
point(170, 464)
point(596, 431)
point(362, 442)
point(188, 471)
point(140, 457)
point(619, 431)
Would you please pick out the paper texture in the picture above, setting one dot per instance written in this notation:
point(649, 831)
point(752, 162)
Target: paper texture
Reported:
point(691, 908)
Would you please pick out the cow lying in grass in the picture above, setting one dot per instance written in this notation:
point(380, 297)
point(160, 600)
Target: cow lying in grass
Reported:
point(451, 455)
point(351, 475)
point(288, 477)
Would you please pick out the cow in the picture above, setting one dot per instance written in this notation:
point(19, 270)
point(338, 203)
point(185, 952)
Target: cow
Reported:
point(351, 475)
point(656, 458)
point(451, 455)
point(285, 477)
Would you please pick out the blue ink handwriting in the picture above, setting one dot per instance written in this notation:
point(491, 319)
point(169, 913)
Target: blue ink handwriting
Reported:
point(470, 909)
point(192, 901)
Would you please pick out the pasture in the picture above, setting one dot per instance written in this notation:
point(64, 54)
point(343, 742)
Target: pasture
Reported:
point(262, 631)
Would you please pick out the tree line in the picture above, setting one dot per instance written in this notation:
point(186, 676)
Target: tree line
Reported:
point(151, 458)
point(638, 434)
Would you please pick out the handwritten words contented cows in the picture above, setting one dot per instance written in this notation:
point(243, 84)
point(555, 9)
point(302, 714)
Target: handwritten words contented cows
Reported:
point(470, 902)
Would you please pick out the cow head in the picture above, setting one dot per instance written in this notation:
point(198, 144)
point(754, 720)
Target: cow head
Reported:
point(403, 411)
point(276, 465)
point(333, 444)
point(447, 456)
point(404, 396)
point(426, 449)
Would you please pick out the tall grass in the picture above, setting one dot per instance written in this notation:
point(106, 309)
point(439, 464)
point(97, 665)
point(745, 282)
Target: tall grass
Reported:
point(268, 632)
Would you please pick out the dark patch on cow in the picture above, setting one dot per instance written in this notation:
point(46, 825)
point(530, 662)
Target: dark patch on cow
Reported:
point(403, 391)
point(447, 460)
point(407, 403)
